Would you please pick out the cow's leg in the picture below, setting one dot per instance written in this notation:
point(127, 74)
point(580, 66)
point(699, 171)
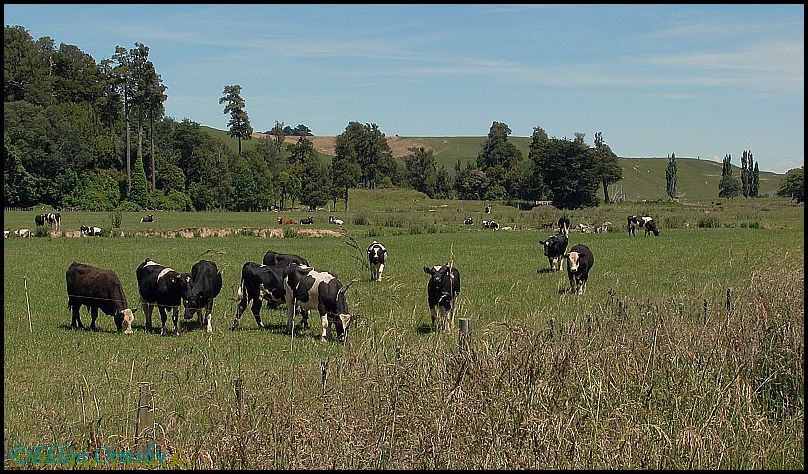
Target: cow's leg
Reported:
point(290, 316)
point(572, 283)
point(325, 325)
point(256, 311)
point(242, 306)
point(176, 319)
point(304, 318)
point(381, 270)
point(76, 323)
point(163, 319)
point(209, 316)
point(94, 314)
point(147, 311)
point(433, 313)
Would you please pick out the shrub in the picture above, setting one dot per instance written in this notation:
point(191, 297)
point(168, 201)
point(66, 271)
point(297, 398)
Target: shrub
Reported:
point(674, 222)
point(750, 225)
point(290, 232)
point(362, 219)
point(709, 222)
point(115, 218)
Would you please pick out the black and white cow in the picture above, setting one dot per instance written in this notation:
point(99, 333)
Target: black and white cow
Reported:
point(52, 219)
point(24, 233)
point(442, 291)
point(6, 233)
point(468, 221)
point(579, 262)
point(377, 256)
point(148, 218)
point(39, 220)
point(487, 209)
point(162, 287)
point(564, 225)
point(307, 220)
point(90, 230)
point(97, 288)
point(206, 283)
point(258, 283)
point(282, 260)
point(554, 248)
point(334, 220)
point(636, 222)
point(493, 225)
point(321, 291)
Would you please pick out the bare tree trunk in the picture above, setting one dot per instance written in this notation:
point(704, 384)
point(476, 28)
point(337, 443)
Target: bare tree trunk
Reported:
point(606, 192)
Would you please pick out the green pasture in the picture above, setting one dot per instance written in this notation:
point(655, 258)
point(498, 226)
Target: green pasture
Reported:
point(58, 381)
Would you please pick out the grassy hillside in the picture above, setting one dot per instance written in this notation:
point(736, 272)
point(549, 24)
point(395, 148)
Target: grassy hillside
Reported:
point(643, 178)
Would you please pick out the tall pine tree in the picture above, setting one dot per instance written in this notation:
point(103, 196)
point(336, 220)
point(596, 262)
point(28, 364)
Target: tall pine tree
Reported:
point(670, 176)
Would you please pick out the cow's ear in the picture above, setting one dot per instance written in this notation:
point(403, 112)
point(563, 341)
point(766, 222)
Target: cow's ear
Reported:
point(135, 310)
point(427, 270)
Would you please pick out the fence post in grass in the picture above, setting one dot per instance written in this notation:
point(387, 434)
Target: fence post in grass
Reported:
point(729, 300)
point(704, 310)
point(238, 386)
point(465, 332)
point(27, 303)
point(623, 309)
point(145, 417)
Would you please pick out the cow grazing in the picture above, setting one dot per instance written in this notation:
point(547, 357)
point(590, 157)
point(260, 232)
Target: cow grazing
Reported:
point(265, 283)
point(307, 220)
point(90, 230)
point(579, 262)
point(321, 291)
point(286, 220)
point(52, 219)
point(468, 221)
point(162, 287)
point(148, 218)
point(377, 256)
point(554, 248)
point(206, 283)
point(564, 225)
point(97, 288)
point(442, 290)
point(493, 225)
point(334, 220)
point(637, 222)
point(25, 233)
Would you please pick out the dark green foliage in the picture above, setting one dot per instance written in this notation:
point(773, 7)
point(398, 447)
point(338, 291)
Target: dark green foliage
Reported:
point(569, 169)
point(793, 185)
point(728, 186)
point(497, 159)
point(19, 186)
point(245, 192)
point(139, 193)
point(239, 123)
point(314, 182)
point(670, 176)
point(99, 191)
point(420, 171)
point(755, 189)
point(609, 167)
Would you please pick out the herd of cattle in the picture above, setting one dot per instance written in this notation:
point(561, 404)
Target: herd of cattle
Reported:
point(289, 279)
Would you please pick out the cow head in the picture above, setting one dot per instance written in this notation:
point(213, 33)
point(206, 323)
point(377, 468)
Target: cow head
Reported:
point(441, 280)
point(124, 319)
point(342, 320)
point(572, 261)
point(376, 253)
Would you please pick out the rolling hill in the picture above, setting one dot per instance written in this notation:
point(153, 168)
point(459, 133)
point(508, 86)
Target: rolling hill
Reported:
point(643, 178)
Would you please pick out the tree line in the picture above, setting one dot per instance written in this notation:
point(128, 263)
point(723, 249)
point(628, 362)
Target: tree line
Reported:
point(94, 135)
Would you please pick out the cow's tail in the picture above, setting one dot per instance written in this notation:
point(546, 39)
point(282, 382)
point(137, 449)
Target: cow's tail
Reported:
point(344, 289)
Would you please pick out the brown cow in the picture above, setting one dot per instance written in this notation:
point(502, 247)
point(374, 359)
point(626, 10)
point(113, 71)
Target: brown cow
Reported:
point(286, 220)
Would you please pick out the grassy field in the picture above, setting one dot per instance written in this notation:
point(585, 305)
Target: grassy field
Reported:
point(633, 374)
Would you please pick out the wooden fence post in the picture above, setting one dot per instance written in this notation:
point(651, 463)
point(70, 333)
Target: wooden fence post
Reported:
point(464, 334)
point(730, 305)
point(145, 418)
point(704, 310)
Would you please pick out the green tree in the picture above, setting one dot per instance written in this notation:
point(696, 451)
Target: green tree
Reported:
point(670, 176)
point(728, 187)
point(26, 73)
point(570, 171)
point(19, 186)
point(123, 74)
point(609, 166)
point(747, 173)
point(755, 181)
point(245, 192)
point(793, 184)
point(315, 182)
point(498, 157)
point(239, 119)
point(139, 192)
point(421, 171)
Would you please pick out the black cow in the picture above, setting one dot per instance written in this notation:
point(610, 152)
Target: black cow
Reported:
point(442, 290)
point(275, 259)
point(579, 262)
point(148, 218)
point(39, 220)
point(554, 248)
point(206, 283)
point(469, 221)
point(564, 225)
point(307, 220)
point(322, 291)
point(377, 256)
point(162, 287)
point(491, 225)
point(635, 222)
point(52, 219)
point(97, 288)
point(259, 282)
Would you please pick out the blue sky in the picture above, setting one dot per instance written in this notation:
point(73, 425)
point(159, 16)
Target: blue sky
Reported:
point(695, 80)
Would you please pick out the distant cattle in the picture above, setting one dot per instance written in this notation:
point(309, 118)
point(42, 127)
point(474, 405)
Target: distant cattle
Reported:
point(148, 218)
point(52, 219)
point(162, 287)
point(493, 225)
point(25, 233)
point(334, 220)
point(6, 233)
point(442, 290)
point(488, 209)
point(286, 220)
point(321, 291)
point(643, 222)
point(554, 248)
point(377, 256)
point(585, 228)
point(307, 220)
point(603, 228)
point(97, 288)
point(564, 225)
point(579, 263)
point(468, 221)
point(90, 230)
point(206, 283)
